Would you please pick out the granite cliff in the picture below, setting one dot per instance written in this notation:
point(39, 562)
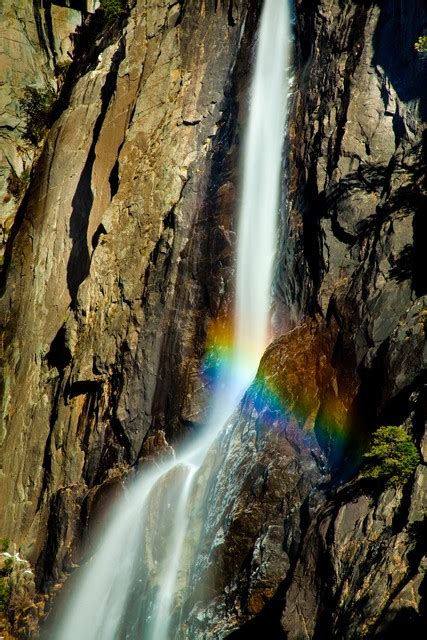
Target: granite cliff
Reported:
point(119, 258)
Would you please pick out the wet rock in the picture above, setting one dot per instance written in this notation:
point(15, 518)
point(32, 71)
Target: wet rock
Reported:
point(264, 469)
point(351, 254)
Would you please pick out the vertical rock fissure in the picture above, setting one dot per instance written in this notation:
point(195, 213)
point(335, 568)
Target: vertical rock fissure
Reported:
point(79, 258)
point(49, 28)
point(355, 44)
point(47, 46)
point(268, 621)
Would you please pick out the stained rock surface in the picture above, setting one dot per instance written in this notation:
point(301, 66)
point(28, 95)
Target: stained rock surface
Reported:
point(121, 254)
point(36, 45)
point(120, 263)
point(351, 255)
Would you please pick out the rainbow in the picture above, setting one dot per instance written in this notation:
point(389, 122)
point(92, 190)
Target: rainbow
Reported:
point(295, 388)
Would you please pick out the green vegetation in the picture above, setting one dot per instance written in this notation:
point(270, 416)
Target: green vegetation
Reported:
point(62, 67)
point(7, 567)
point(4, 594)
point(36, 107)
point(4, 544)
point(112, 8)
point(421, 46)
point(5, 589)
point(17, 186)
point(392, 456)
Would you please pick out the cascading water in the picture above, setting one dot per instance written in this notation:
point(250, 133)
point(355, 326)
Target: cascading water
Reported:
point(136, 578)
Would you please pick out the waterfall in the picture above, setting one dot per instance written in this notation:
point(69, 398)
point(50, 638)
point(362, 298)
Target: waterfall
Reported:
point(134, 583)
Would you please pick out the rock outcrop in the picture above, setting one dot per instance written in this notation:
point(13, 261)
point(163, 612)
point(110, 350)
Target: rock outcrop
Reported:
point(121, 254)
point(121, 259)
point(36, 45)
point(351, 255)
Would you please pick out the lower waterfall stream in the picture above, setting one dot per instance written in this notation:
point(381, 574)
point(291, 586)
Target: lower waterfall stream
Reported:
point(137, 580)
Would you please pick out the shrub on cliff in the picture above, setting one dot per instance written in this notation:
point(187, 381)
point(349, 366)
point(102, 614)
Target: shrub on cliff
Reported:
point(18, 608)
point(4, 594)
point(6, 566)
point(36, 106)
point(421, 46)
point(112, 8)
point(4, 544)
point(392, 456)
point(17, 186)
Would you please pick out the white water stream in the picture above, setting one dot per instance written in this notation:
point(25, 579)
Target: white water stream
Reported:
point(135, 579)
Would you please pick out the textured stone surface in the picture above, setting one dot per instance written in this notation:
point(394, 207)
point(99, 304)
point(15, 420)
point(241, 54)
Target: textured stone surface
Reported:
point(351, 258)
point(352, 254)
point(264, 468)
point(122, 260)
point(35, 38)
point(111, 275)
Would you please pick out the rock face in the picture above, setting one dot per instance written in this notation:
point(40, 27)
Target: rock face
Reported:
point(106, 306)
point(261, 490)
point(35, 49)
point(351, 256)
point(121, 259)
